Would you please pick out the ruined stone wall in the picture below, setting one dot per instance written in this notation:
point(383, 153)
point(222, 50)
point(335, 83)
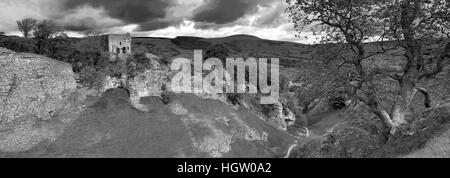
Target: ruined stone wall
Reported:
point(118, 45)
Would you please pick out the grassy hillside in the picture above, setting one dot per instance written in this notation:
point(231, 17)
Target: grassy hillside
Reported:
point(435, 148)
point(111, 127)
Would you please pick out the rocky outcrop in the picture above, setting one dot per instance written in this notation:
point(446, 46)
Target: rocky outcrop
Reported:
point(143, 78)
point(152, 82)
point(219, 142)
point(278, 114)
point(32, 86)
point(218, 130)
point(110, 83)
point(284, 117)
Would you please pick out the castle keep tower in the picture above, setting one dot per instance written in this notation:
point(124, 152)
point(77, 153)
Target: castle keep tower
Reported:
point(118, 45)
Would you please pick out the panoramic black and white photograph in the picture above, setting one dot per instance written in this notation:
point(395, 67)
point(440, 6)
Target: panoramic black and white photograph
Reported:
point(249, 79)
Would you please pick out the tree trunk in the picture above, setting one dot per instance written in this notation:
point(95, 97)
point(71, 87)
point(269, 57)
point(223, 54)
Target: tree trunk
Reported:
point(408, 81)
point(397, 117)
point(408, 91)
point(386, 123)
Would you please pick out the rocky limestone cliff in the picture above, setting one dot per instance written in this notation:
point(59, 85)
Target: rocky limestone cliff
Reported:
point(35, 97)
point(284, 117)
point(143, 78)
point(152, 82)
point(32, 86)
point(278, 115)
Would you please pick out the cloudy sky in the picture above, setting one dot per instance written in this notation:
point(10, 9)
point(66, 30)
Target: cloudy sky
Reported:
point(157, 18)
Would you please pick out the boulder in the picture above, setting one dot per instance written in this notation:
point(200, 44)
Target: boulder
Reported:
point(32, 86)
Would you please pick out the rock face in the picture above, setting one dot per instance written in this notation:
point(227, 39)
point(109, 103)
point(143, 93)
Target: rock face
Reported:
point(214, 134)
point(32, 86)
point(149, 80)
point(283, 115)
point(278, 115)
point(110, 83)
point(149, 83)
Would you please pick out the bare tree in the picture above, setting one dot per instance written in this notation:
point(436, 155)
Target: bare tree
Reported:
point(45, 30)
point(26, 26)
point(354, 22)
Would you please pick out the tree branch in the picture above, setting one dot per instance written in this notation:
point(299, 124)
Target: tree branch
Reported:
point(440, 63)
point(427, 95)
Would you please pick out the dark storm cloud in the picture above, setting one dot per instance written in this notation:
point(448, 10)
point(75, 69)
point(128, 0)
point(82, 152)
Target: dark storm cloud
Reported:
point(151, 14)
point(141, 12)
point(82, 24)
point(153, 25)
point(226, 11)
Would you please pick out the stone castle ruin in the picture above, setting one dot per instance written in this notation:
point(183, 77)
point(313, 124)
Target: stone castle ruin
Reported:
point(118, 45)
point(147, 83)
